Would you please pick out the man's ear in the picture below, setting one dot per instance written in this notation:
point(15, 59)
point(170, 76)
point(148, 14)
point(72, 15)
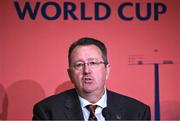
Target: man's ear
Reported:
point(108, 68)
point(68, 71)
point(70, 74)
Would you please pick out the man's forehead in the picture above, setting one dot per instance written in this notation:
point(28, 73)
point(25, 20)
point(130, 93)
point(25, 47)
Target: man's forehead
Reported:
point(87, 51)
point(92, 47)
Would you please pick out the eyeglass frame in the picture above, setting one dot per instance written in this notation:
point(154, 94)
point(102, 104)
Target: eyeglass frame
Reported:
point(89, 64)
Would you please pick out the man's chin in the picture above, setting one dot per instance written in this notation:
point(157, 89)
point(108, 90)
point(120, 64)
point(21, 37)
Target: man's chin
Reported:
point(88, 90)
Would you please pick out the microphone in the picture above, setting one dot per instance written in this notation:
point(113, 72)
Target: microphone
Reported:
point(106, 113)
point(110, 115)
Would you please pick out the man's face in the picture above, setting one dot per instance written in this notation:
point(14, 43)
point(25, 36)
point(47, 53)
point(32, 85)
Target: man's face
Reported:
point(88, 71)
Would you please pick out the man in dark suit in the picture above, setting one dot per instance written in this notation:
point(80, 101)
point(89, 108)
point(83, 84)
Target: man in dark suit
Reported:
point(90, 100)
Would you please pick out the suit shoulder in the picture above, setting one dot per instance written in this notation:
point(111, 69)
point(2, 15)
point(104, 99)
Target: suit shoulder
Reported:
point(127, 108)
point(57, 99)
point(126, 100)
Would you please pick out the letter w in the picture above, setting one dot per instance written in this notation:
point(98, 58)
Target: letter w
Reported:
point(27, 8)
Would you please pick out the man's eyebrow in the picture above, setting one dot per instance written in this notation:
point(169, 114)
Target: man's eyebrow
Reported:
point(92, 59)
point(89, 59)
point(78, 61)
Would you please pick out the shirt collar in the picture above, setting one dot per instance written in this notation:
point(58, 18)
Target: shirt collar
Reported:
point(101, 103)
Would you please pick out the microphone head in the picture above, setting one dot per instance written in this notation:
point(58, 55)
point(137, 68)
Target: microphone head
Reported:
point(106, 113)
point(109, 114)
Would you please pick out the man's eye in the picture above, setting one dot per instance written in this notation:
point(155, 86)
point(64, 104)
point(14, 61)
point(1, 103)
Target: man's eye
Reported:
point(79, 65)
point(93, 63)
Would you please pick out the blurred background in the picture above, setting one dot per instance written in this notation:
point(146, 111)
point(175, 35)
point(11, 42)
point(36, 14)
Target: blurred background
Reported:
point(33, 55)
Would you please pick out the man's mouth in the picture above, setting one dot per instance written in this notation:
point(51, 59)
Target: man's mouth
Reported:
point(87, 79)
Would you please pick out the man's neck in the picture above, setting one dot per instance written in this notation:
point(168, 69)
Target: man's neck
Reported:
point(94, 96)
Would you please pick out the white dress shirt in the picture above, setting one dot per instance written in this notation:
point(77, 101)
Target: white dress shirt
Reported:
point(102, 103)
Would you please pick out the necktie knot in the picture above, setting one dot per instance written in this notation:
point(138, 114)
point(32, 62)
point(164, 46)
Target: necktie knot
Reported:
point(91, 109)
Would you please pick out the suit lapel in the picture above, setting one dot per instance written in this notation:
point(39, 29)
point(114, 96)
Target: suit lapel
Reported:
point(73, 109)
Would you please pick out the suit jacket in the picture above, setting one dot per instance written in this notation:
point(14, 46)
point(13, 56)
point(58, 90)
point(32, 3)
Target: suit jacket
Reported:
point(66, 106)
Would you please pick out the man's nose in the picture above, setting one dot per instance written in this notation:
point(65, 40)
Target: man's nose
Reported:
point(86, 69)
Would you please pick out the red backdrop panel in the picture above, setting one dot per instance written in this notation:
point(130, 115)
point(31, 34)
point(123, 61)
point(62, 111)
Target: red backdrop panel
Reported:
point(33, 56)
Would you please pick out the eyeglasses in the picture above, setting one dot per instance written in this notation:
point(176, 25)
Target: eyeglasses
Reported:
point(91, 64)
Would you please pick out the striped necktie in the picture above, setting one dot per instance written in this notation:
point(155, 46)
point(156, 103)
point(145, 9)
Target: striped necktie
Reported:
point(91, 109)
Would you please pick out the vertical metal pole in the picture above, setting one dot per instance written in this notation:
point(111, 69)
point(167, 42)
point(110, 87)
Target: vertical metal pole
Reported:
point(157, 102)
